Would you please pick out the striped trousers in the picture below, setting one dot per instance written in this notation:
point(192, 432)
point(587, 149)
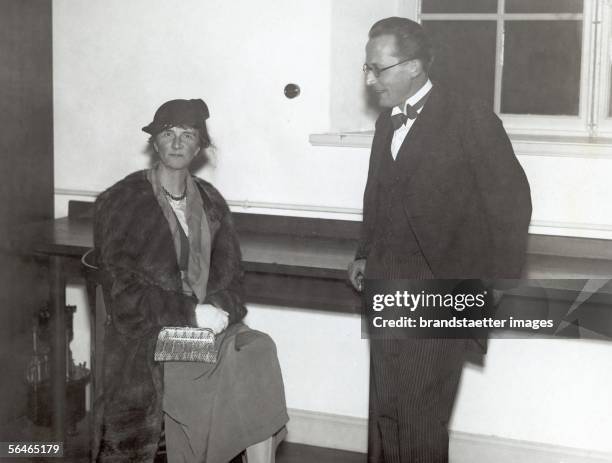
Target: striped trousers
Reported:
point(413, 382)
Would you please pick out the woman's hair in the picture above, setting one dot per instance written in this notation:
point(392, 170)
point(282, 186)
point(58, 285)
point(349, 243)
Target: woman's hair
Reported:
point(410, 38)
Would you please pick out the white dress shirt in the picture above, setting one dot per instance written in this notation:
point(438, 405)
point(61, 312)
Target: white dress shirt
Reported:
point(400, 134)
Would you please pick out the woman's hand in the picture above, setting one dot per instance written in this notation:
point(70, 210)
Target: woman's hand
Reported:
point(209, 316)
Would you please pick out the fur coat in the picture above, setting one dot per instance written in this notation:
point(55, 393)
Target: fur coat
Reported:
point(143, 292)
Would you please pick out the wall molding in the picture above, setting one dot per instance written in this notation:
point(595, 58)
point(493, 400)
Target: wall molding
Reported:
point(342, 139)
point(80, 193)
point(350, 433)
point(571, 229)
point(537, 227)
point(524, 145)
point(327, 430)
point(255, 207)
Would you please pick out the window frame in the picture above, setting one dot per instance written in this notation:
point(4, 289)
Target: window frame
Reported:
point(593, 117)
point(603, 77)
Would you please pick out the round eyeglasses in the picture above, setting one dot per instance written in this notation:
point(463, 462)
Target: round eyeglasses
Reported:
point(376, 71)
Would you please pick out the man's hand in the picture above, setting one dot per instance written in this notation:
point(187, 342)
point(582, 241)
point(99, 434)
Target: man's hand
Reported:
point(356, 272)
point(209, 316)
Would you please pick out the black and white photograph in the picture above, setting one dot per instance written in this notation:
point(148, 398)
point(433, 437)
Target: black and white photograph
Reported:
point(331, 231)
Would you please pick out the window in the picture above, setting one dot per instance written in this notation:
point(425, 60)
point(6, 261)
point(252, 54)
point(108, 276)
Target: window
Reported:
point(605, 83)
point(543, 65)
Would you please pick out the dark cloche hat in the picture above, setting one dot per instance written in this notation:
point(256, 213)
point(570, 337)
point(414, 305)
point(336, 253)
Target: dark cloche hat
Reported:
point(177, 113)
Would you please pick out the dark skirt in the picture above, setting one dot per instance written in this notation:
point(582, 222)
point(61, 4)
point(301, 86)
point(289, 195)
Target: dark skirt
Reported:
point(214, 411)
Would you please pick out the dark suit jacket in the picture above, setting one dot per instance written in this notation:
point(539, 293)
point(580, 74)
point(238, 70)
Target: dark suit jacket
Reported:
point(466, 195)
point(468, 204)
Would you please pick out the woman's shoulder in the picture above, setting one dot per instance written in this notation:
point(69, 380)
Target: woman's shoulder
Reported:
point(211, 192)
point(127, 190)
point(134, 181)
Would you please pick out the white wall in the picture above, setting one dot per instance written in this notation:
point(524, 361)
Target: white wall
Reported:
point(571, 192)
point(352, 20)
point(541, 390)
point(116, 61)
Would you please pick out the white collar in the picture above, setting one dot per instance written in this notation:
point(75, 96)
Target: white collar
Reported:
point(414, 98)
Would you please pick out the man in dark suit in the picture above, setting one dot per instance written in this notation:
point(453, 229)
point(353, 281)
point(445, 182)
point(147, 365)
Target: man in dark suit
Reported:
point(445, 199)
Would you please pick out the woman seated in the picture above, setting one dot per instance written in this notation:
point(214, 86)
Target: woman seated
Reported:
point(170, 257)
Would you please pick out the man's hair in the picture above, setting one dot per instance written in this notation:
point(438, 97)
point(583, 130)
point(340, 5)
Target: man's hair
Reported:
point(410, 38)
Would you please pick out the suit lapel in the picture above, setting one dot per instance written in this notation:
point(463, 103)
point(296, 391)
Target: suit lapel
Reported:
point(414, 149)
point(382, 138)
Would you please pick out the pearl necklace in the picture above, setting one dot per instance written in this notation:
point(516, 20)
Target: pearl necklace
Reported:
point(175, 198)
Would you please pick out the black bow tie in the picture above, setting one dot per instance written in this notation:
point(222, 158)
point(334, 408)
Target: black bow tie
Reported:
point(412, 111)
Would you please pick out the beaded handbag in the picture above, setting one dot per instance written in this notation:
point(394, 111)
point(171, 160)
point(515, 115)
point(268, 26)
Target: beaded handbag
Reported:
point(186, 344)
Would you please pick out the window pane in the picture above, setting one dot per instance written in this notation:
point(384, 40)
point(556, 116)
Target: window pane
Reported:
point(465, 55)
point(459, 6)
point(544, 6)
point(542, 67)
